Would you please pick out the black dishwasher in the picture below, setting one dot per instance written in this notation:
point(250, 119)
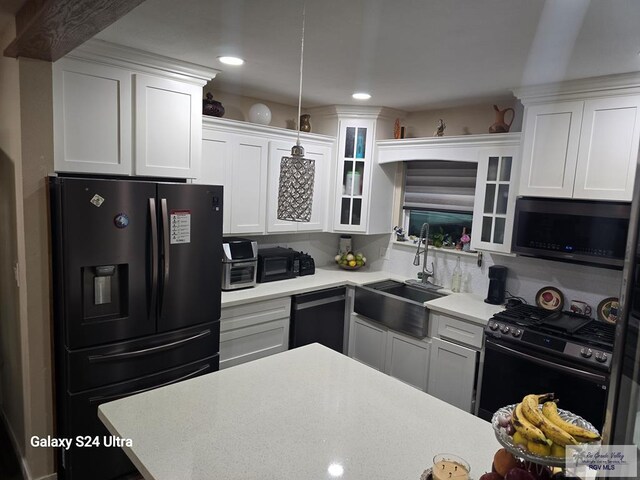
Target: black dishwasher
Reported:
point(318, 317)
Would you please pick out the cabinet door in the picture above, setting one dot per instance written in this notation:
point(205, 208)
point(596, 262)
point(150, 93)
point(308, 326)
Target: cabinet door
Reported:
point(367, 342)
point(608, 150)
point(322, 157)
point(452, 373)
point(407, 359)
point(355, 157)
point(254, 330)
point(216, 168)
point(550, 149)
point(249, 184)
point(494, 204)
point(168, 128)
point(83, 91)
point(277, 150)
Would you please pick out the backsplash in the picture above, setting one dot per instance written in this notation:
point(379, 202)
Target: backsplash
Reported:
point(526, 275)
point(321, 246)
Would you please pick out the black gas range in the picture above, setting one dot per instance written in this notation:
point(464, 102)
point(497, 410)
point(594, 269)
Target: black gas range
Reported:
point(574, 337)
point(532, 350)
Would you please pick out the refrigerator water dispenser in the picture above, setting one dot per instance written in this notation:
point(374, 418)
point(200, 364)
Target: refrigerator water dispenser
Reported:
point(102, 284)
point(105, 291)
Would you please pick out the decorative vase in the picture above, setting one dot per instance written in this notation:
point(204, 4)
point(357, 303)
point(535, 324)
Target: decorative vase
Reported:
point(305, 124)
point(212, 107)
point(260, 113)
point(500, 126)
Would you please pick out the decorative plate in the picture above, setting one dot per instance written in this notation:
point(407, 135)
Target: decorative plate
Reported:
point(604, 309)
point(507, 441)
point(550, 298)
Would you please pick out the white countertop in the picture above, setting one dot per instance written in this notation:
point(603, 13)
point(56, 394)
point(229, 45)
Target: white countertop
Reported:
point(325, 277)
point(469, 306)
point(291, 416)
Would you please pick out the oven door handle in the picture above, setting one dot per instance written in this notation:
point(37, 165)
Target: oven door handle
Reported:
point(594, 377)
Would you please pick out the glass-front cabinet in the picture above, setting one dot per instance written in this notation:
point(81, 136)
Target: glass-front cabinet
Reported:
point(355, 157)
point(494, 204)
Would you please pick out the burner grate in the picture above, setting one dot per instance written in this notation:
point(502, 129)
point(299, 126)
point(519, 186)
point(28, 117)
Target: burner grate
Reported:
point(524, 314)
point(600, 332)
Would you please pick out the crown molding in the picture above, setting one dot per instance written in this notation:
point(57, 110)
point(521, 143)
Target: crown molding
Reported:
point(237, 126)
point(606, 85)
point(459, 148)
point(108, 53)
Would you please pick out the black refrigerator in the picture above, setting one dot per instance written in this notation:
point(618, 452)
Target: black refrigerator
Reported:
point(622, 423)
point(136, 295)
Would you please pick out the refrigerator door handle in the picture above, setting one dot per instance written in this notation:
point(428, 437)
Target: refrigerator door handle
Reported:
point(147, 351)
point(154, 252)
point(165, 246)
point(107, 398)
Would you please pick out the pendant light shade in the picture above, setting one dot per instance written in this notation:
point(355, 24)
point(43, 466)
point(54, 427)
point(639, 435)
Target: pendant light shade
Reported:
point(297, 174)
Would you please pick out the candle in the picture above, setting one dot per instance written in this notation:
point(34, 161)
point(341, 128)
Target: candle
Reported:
point(450, 467)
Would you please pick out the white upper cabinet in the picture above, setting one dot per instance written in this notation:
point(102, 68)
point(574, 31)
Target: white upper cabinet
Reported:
point(245, 159)
point(321, 154)
point(216, 168)
point(550, 149)
point(168, 127)
point(608, 150)
point(581, 138)
point(118, 110)
point(494, 203)
point(248, 184)
point(92, 118)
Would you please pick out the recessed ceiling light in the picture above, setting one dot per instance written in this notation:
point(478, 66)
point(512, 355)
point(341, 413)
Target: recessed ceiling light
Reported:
point(231, 60)
point(361, 96)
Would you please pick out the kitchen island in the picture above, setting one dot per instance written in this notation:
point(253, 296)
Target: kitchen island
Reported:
point(308, 413)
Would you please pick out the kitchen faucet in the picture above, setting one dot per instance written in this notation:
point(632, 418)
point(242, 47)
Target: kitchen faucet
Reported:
point(426, 274)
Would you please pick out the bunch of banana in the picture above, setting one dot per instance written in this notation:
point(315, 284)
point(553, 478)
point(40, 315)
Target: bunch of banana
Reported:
point(544, 432)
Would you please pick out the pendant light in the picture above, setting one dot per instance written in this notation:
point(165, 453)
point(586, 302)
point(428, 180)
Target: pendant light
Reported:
point(295, 188)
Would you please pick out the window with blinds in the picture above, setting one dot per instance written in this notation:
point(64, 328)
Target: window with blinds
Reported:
point(440, 193)
point(440, 185)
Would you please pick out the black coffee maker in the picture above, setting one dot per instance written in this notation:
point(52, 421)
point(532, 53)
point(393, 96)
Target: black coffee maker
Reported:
point(497, 283)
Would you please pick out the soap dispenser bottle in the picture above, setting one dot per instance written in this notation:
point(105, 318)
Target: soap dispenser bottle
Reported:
point(456, 278)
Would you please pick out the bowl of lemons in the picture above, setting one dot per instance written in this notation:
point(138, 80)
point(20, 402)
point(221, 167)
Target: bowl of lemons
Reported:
point(350, 260)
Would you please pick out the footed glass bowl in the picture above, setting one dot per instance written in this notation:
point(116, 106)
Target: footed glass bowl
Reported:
point(507, 441)
point(347, 267)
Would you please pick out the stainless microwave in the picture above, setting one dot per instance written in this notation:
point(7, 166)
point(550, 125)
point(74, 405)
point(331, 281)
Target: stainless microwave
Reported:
point(578, 231)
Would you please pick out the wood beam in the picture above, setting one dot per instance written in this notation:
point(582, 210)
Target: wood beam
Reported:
point(49, 29)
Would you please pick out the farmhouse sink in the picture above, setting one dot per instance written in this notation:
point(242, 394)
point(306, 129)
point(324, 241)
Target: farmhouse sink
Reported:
point(396, 305)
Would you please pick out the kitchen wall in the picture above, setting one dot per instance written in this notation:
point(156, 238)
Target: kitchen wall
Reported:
point(36, 106)
point(237, 108)
point(464, 120)
point(526, 275)
point(11, 366)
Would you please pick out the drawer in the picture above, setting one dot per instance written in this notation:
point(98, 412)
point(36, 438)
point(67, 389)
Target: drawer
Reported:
point(459, 330)
point(99, 366)
point(241, 316)
point(256, 341)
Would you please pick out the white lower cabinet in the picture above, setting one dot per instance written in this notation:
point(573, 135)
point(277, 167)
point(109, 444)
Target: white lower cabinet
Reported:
point(367, 342)
point(407, 359)
point(452, 373)
point(254, 330)
point(403, 357)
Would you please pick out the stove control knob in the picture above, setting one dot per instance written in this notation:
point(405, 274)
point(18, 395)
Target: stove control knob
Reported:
point(586, 352)
point(493, 325)
point(601, 357)
point(516, 333)
point(505, 329)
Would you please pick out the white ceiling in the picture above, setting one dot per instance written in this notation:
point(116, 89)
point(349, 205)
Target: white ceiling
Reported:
point(409, 54)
